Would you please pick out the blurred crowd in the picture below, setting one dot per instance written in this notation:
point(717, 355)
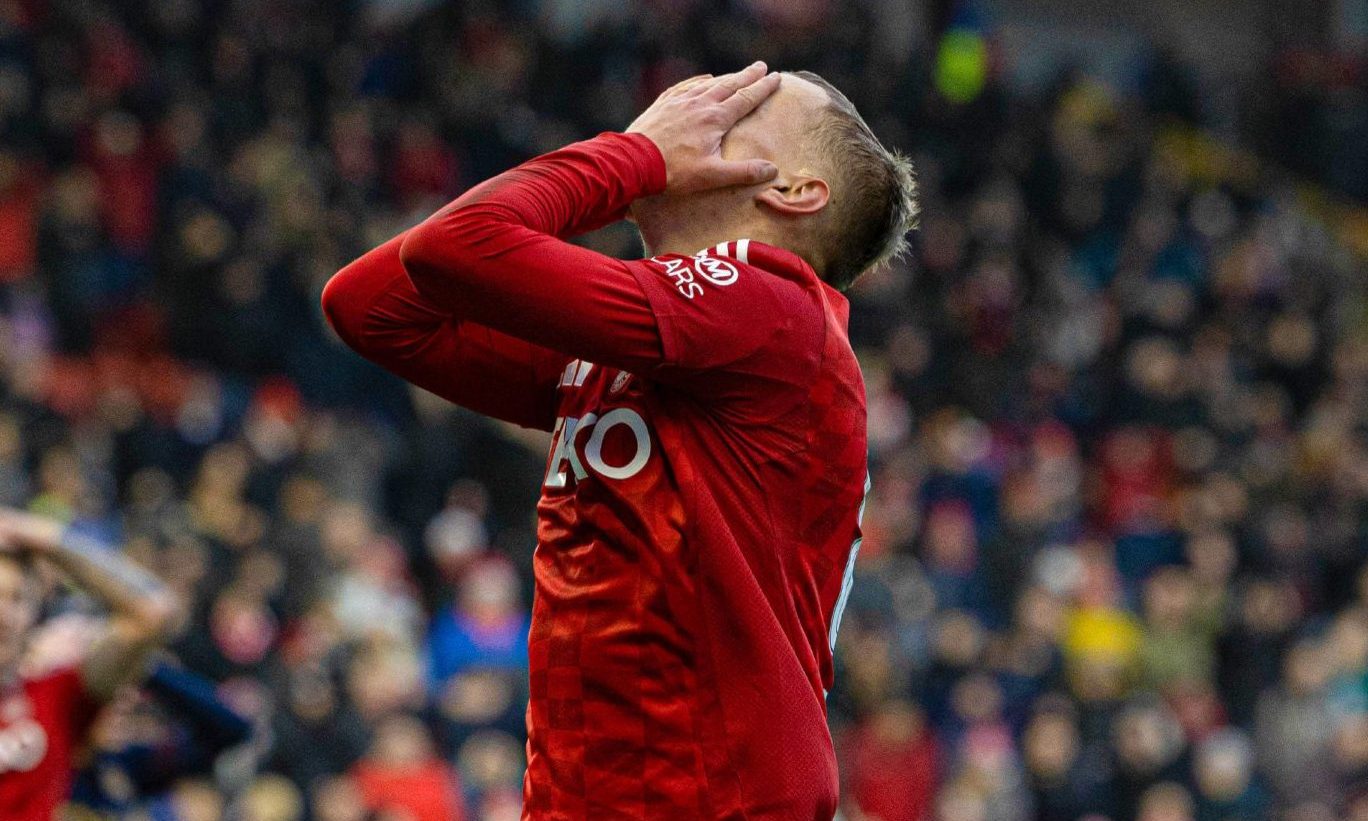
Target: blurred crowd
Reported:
point(1114, 561)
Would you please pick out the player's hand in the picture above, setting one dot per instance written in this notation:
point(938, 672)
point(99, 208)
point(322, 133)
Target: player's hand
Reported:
point(28, 533)
point(687, 124)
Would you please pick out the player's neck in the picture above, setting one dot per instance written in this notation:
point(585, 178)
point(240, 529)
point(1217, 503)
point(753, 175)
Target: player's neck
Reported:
point(683, 242)
point(686, 227)
point(690, 242)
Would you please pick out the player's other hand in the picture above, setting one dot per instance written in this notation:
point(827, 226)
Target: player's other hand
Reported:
point(26, 532)
point(687, 124)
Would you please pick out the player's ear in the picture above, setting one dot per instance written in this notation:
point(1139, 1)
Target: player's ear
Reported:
point(795, 196)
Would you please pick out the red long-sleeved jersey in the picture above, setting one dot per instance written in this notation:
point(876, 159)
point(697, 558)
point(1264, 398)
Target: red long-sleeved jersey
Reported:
point(700, 508)
point(43, 722)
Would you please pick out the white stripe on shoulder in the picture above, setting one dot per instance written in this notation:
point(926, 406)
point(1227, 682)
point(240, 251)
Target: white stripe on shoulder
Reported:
point(721, 249)
point(743, 250)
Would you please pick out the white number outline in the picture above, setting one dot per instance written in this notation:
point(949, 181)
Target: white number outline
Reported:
point(848, 580)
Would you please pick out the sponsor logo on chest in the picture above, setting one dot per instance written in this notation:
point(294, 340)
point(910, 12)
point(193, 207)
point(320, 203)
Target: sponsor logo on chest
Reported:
point(610, 443)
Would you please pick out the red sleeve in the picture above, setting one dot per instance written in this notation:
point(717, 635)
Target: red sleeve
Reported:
point(375, 309)
point(732, 330)
point(66, 690)
point(495, 256)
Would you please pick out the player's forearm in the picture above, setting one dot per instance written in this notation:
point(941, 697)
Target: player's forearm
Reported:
point(132, 593)
point(579, 188)
point(496, 256)
point(568, 192)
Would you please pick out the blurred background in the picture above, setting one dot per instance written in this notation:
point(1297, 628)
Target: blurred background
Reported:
point(1114, 565)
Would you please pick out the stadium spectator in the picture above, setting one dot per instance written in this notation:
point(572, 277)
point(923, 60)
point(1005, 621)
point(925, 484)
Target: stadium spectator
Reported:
point(50, 705)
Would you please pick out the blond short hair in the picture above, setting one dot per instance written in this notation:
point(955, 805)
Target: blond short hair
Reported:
point(873, 197)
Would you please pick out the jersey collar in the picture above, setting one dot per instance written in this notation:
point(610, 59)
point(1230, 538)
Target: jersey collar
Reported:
point(782, 263)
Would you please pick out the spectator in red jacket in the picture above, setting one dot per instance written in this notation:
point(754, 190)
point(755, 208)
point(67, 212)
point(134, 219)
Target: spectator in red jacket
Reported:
point(402, 771)
point(892, 764)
